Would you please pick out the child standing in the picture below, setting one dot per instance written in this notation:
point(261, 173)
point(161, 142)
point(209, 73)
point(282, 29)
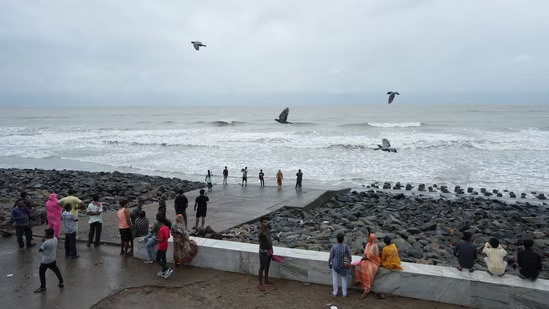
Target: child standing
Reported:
point(48, 250)
point(163, 236)
point(70, 232)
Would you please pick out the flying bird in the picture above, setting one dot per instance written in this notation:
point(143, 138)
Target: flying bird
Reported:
point(284, 116)
point(392, 95)
point(197, 44)
point(386, 146)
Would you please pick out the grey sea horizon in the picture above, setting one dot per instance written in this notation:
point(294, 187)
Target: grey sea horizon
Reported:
point(492, 146)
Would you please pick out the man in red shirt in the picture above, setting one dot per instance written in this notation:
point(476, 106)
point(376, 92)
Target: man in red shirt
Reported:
point(162, 239)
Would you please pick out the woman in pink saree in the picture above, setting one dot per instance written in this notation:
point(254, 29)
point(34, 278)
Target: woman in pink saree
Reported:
point(366, 269)
point(54, 214)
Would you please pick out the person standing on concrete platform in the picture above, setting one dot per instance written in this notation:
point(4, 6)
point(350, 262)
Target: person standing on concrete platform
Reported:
point(54, 214)
point(261, 178)
point(201, 207)
point(340, 264)
point(208, 179)
point(20, 216)
point(279, 178)
point(24, 196)
point(245, 176)
point(225, 176)
point(466, 252)
point(70, 232)
point(49, 257)
point(124, 226)
point(137, 210)
point(495, 257)
point(180, 204)
point(94, 210)
point(76, 204)
point(265, 252)
point(528, 261)
point(299, 180)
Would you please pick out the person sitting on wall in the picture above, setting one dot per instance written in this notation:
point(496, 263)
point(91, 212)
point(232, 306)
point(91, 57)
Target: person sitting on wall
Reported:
point(495, 257)
point(528, 261)
point(466, 252)
point(389, 255)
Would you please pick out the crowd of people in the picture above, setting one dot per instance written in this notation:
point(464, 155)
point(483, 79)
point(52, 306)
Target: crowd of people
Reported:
point(261, 178)
point(527, 261)
point(62, 214)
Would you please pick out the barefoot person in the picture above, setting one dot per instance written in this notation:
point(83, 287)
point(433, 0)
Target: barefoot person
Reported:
point(225, 176)
point(367, 269)
point(208, 179)
point(49, 257)
point(299, 180)
point(201, 207)
point(261, 178)
point(279, 178)
point(245, 176)
point(124, 226)
point(466, 252)
point(265, 252)
point(340, 262)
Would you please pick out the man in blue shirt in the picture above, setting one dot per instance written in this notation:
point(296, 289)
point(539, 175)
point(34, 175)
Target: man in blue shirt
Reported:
point(20, 215)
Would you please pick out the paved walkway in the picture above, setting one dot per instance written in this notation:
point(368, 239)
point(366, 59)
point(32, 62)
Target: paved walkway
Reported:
point(100, 273)
point(229, 206)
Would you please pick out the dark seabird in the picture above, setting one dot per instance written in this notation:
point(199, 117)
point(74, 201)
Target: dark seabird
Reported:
point(284, 116)
point(197, 44)
point(386, 146)
point(392, 95)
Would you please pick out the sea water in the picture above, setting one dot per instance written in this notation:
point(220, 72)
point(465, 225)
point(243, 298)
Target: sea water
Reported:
point(493, 146)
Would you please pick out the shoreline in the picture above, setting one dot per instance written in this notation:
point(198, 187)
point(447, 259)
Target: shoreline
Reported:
point(54, 163)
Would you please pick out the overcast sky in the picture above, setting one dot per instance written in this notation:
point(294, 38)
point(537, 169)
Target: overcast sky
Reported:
point(319, 51)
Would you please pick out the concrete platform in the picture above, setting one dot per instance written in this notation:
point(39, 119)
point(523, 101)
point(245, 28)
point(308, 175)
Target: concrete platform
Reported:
point(100, 273)
point(229, 206)
point(234, 205)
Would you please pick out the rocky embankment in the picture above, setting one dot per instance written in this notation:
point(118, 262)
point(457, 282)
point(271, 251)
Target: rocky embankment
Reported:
point(111, 187)
point(424, 228)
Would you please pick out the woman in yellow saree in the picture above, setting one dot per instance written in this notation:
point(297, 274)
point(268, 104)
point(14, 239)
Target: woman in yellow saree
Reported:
point(389, 255)
point(366, 270)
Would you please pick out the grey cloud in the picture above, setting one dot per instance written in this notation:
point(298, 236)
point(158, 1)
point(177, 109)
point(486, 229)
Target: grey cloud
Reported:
point(109, 52)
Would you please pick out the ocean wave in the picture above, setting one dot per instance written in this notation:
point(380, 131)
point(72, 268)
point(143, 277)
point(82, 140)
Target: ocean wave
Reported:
point(222, 123)
point(382, 125)
point(115, 142)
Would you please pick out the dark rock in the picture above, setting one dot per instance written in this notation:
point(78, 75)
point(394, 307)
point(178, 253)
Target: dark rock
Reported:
point(523, 195)
point(470, 190)
point(421, 187)
point(431, 189)
point(541, 196)
point(512, 195)
point(387, 185)
point(408, 187)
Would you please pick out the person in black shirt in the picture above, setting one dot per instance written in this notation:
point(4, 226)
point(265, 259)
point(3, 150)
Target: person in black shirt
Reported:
point(180, 204)
point(200, 206)
point(528, 261)
point(261, 178)
point(265, 251)
point(466, 252)
point(299, 179)
point(225, 175)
